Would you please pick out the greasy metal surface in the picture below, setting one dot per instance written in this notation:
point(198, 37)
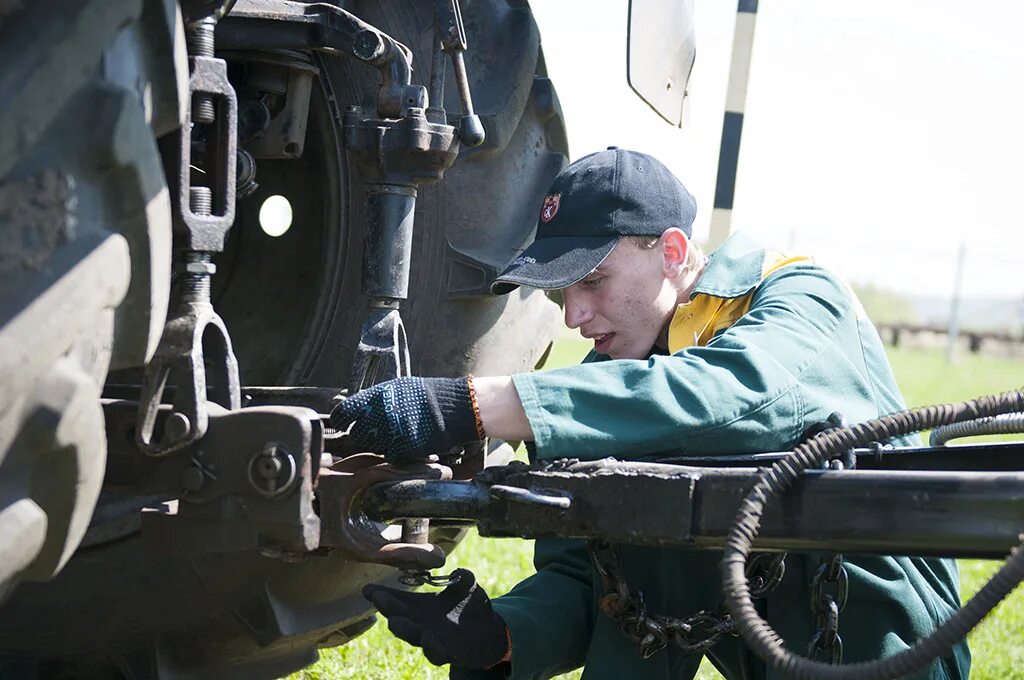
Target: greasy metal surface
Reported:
point(196, 230)
point(382, 352)
point(395, 156)
point(388, 252)
point(346, 528)
point(281, 24)
point(195, 340)
point(606, 499)
point(962, 514)
point(282, 81)
point(222, 494)
point(405, 152)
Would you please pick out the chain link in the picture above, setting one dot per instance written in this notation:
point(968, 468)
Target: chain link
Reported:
point(653, 632)
point(829, 588)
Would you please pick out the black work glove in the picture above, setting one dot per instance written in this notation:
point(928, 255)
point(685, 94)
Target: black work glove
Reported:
point(409, 419)
point(457, 625)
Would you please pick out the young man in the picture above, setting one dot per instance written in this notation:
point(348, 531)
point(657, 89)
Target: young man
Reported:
point(736, 353)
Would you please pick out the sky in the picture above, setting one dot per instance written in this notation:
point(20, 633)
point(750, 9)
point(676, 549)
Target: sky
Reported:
point(880, 136)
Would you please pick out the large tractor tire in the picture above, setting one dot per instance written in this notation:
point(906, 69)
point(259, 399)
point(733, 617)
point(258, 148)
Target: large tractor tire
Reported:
point(85, 249)
point(294, 307)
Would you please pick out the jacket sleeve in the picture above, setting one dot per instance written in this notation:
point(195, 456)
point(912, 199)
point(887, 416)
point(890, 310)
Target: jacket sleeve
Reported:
point(743, 384)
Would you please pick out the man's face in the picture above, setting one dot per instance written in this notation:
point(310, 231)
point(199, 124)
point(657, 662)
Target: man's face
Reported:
point(626, 304)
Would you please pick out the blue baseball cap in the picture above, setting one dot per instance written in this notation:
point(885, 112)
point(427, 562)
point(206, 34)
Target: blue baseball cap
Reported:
point(592, 203)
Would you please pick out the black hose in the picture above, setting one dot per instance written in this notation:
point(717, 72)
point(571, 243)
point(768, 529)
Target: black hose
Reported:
point(1008, 423)
point(771, 483)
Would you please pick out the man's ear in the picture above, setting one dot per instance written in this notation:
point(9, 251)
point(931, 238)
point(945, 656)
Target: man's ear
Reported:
point(674, 248)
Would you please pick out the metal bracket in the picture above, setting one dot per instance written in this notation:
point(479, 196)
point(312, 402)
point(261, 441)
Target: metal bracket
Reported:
point(199, 231)
point(193, 338)
point(247, 484)
point(383, 350)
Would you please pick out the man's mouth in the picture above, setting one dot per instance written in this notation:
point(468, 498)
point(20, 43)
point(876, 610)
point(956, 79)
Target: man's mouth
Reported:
point(603, 341)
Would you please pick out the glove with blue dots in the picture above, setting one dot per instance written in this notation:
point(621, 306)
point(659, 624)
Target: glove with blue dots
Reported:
point(409, 419)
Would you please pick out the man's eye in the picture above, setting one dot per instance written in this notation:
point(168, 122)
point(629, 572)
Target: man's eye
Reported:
point(592, 282)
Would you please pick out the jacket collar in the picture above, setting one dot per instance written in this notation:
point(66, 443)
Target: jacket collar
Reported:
point(733, 269)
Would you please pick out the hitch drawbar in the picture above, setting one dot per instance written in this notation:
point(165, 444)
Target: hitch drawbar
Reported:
point(887, 510)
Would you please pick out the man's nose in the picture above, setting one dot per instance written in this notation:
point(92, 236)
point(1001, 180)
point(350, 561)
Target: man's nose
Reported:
point(576, 312)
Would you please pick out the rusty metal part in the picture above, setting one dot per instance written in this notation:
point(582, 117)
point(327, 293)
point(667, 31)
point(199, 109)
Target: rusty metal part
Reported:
point(382, 352)
point(653, 632)
point(205, 230)
point(347, 529)
point(247, 484)
point(194, 338)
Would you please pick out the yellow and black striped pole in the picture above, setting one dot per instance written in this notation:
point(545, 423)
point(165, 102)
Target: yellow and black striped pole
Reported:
point(732, 126)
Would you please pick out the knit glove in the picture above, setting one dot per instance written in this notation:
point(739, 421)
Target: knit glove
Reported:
point(409, 419)
point(456, 626)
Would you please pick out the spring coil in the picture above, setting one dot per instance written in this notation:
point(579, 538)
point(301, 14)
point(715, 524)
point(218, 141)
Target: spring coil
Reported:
point(1008, 423)
point(774, 481)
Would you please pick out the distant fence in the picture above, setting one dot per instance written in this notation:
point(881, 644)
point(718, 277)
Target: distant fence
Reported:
point(976, 341)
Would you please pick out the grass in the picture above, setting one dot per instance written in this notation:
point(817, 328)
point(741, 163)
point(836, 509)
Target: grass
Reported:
point(925, 378)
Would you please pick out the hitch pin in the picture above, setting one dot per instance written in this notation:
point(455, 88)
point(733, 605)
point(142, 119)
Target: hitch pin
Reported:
point(417, 531)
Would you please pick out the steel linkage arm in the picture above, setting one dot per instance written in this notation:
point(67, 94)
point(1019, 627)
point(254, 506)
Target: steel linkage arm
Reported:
point(286, 25)
point(934, 512)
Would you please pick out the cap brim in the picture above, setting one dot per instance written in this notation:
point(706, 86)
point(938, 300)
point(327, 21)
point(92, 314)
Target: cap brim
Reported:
point(554, 262)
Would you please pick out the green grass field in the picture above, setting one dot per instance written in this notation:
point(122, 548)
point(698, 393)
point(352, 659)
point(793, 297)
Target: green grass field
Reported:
point(925, 377)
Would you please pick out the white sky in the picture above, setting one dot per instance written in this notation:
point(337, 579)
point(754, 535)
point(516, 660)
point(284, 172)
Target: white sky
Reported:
point(878, 134)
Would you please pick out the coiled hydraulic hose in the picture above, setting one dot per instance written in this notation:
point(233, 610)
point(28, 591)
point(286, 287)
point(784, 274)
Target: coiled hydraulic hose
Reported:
point(813, 453)
point(1008, 423)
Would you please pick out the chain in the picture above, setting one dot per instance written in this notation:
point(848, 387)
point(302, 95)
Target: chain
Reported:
point(829, 589)
point(420, 577)
point(653, 632)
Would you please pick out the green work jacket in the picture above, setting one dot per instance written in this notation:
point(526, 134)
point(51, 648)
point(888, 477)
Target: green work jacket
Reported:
point(767, 347)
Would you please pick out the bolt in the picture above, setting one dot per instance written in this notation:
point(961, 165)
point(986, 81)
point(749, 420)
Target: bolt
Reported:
point(195, 278)
point(200, 200)
point(199, 39)
point(177, 427)
point(192, 479)
point(195, 281)
point(272, 471)
point(268, 466)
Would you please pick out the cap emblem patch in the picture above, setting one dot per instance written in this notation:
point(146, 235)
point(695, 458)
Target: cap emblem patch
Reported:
point(550, 209)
